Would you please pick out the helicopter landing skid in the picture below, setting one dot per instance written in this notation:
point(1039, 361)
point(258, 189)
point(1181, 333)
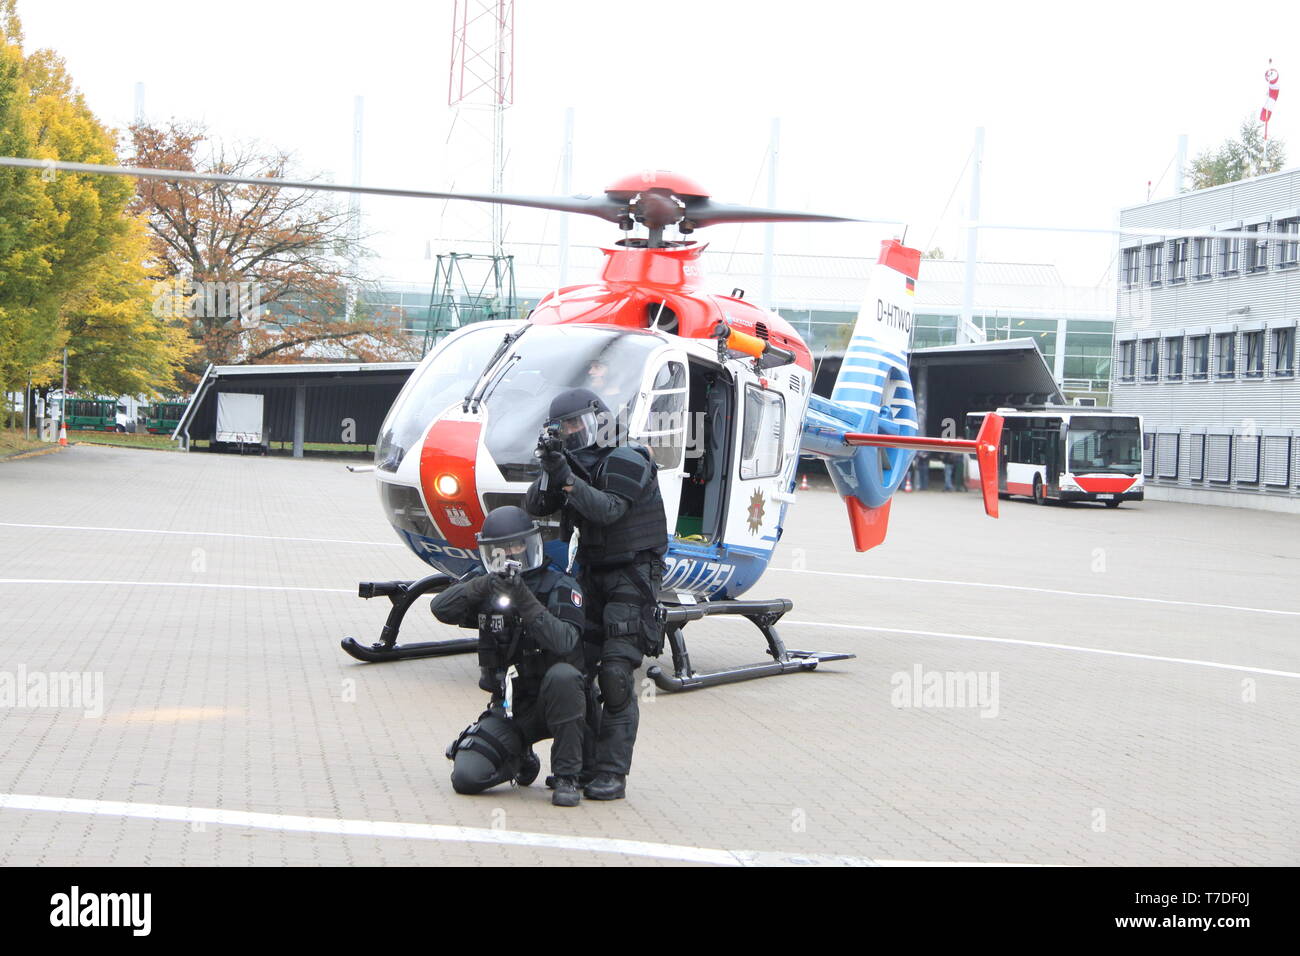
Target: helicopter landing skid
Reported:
point(763, 615)
point(403, 594)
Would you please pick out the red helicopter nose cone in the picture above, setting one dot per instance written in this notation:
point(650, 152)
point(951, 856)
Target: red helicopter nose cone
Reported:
point(658, 179)
point(447, 465)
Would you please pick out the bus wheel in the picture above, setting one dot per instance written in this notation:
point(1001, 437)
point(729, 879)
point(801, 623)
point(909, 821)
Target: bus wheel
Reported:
point(1040, 494)
point(1113, 503)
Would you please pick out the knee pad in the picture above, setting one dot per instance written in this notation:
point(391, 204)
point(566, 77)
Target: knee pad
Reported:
point(615, 681)
point(473, 773)
point(486, 753)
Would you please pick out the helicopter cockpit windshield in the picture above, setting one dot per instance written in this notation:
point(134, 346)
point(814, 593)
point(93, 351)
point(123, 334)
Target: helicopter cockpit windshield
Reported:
point(543, 363)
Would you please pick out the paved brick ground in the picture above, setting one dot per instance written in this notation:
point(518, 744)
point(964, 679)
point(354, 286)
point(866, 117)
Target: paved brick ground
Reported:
point(239, 698)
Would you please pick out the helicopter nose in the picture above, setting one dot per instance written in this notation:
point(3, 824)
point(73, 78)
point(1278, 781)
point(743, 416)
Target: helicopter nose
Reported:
point(447, 476)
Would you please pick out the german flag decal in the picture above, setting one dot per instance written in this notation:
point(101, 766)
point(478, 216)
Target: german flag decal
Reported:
point(911, 285)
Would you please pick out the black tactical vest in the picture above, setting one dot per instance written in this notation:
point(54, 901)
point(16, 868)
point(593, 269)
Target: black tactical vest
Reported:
point(643, 527)
point(511, 634)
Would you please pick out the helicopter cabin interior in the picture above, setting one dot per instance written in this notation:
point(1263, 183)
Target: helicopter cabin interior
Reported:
point(710, 407)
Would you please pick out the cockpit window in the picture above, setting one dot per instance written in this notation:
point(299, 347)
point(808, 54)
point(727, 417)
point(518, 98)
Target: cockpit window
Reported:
point(551, 359)
point(544, 362)
point(445, 378)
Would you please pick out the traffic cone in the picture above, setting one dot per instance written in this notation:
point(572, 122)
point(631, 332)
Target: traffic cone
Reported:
point(63, 434)
point(803, 485)
point(907, 483)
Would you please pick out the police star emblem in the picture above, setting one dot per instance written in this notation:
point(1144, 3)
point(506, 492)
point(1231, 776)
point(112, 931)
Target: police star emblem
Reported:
point(755, 517)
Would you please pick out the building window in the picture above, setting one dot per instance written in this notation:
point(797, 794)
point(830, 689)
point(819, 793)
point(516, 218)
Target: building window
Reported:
point(1150, 360)
point(1231, 253)
point(1204, 258)
point(1153, 263)
point(1174, 359)
point(1127, 361)
point(1178, 260)
point(1254, 348)
point(1132, 266)
point(1284, 352)
point(1225, 355)
point(1256, 252)
point(1198, 349)
point(1288, 252)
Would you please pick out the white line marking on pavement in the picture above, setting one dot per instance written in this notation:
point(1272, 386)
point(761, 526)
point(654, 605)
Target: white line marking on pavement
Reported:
point(1021, 587)
point(441, 832)
point(1050, 646)
point(852, 627)
point(838, 574)
point(202, 534)
point(180, 584)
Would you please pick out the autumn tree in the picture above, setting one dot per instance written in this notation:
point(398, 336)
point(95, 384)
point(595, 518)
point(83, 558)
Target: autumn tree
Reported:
point(260, 273)
point(1237, 159)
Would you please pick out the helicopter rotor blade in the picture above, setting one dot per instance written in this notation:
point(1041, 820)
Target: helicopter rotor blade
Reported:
point(601, 207)
point(706, 212)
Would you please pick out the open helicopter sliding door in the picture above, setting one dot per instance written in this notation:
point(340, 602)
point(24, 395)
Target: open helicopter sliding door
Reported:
point(703, 502)
point(706, 574)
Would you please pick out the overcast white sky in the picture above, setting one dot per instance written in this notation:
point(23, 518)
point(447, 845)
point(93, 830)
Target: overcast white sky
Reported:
point(1082, 104)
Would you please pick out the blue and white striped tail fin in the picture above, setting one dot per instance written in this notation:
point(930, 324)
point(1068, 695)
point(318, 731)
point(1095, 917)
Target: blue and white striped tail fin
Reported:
point(874, 377)
point(874, 374)
point(874, 392)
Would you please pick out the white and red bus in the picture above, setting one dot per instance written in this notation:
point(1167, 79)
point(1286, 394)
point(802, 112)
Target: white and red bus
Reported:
point(1069, 453)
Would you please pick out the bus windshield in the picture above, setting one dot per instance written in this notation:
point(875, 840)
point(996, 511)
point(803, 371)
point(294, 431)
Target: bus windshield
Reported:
point(1100, 445)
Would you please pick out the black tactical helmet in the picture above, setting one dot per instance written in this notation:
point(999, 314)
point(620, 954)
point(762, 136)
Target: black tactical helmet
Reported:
point(580, 413)
point(510, 534)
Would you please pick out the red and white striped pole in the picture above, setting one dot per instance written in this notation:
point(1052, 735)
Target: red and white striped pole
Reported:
point(1270, 101)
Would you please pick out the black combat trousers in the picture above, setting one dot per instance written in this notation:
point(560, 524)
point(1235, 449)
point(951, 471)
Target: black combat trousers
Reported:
point(554, 707)
point(621, 629)
point(558, 711)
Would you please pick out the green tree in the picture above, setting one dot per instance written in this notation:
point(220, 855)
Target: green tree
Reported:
point(1237, 159)
point(72, 260)
point(29, 330)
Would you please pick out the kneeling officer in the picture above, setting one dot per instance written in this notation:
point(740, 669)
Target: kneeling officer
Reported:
point(529, 616)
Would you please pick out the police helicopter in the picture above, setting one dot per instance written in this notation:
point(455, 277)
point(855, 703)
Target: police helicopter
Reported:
point(718, 389)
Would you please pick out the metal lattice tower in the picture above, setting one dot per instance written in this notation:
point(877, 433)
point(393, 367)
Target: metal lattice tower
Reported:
point(471, 287)
point(483, 78)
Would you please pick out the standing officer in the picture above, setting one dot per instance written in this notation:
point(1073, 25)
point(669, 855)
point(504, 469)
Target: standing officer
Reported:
point(609, 493)
point(528, 615)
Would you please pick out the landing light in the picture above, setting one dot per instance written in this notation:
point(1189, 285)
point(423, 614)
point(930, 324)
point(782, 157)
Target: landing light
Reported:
point(447, 486)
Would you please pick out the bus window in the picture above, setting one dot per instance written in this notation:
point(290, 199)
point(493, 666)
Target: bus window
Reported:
point(1104, 445)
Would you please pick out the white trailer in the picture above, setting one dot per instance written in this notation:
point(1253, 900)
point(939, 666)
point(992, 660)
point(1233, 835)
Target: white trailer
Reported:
point(239, 419)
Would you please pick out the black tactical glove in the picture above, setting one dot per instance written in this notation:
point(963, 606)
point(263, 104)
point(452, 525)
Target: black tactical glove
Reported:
point(557, 468)
point(525, 602)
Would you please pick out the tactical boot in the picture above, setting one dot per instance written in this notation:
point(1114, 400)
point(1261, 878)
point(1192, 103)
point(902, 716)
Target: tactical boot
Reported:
point(584, 778)
point(607, 786)
point(566, 792)
point(529, 768)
